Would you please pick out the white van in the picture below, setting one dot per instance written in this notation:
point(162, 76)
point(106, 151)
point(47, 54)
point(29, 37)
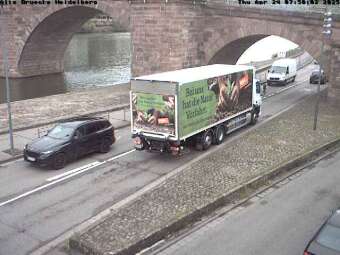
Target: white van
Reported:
point(282, 72)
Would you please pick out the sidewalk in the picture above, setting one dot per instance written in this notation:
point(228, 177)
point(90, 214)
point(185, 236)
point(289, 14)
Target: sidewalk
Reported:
point(180, 198)
point(111, 103)
point(40, 111)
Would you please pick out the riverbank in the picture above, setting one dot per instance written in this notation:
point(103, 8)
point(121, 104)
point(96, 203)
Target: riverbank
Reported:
point(49, 109)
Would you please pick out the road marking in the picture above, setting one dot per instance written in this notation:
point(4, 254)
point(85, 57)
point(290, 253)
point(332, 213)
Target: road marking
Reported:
point(119, 156)
point(284, 89)
point(93, 164)
point(64, 177)
point(11, 162)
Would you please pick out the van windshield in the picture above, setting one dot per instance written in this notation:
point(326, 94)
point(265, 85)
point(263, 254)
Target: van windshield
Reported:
point(278, 69)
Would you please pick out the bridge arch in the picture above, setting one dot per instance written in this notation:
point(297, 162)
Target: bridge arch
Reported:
point(228, 43)
point(46, 38)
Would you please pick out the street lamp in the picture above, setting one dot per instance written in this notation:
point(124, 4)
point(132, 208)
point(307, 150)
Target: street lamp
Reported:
point(327, 25)
point(5, 61)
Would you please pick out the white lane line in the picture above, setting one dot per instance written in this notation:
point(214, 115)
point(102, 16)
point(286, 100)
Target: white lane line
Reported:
point(284, 89)
point(93, 164)
point(12, 162)
point(28, 193)
point(119, 156)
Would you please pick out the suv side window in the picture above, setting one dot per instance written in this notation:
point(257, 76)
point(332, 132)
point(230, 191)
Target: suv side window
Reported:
point(79, 133)
point(92, 128)
point(104, 124)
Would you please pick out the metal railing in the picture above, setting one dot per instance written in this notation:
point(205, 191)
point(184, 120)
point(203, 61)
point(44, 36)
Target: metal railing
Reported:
point(121, 115)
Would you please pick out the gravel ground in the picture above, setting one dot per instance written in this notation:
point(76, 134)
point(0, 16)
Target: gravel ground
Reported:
point(31, 112)
point(257, 152)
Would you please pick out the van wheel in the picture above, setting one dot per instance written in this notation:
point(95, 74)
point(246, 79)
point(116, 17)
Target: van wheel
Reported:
point(59, 161)
point(105, 146)
point(219, 135)
point(293, 79)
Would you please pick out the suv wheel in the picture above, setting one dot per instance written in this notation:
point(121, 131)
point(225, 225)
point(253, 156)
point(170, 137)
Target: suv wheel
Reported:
point(105, 146)
point(59, 161)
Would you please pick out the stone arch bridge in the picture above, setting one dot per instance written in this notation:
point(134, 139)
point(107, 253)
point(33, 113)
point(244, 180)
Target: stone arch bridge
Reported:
point(166, 34)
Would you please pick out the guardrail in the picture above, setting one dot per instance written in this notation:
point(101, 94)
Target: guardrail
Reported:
point(121, 115)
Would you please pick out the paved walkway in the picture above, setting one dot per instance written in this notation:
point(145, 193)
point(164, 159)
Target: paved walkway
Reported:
point(38, 111)
point(111, 103)
point(209, 178)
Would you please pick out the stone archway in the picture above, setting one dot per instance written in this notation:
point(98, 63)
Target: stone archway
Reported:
point(46, 36)
point(231, 52)
point(232, 36)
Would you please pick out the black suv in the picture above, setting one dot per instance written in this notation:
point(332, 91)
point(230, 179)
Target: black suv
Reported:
point(70, 140)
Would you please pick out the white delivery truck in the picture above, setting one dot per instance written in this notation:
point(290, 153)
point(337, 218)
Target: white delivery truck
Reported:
point(200, 105)
point(282, 72)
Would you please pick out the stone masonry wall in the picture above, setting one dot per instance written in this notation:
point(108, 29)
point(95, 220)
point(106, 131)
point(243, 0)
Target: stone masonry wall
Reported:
point(165, 37)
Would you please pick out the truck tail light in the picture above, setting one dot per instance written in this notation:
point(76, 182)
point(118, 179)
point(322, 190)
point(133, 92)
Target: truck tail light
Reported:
point(137, 141)
point(175, 149)
point(307, 253)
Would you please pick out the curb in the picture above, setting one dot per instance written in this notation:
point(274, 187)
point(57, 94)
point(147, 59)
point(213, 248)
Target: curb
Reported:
point(237, 193)
point(117, 108)
point(21, 155)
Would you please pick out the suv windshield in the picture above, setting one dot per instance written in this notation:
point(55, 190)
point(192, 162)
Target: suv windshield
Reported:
point(330, 237)
point(60, 132)
point(278, 69)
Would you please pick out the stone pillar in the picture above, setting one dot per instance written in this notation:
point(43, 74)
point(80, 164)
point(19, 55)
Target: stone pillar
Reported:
point(165, 36)
point(8, 29)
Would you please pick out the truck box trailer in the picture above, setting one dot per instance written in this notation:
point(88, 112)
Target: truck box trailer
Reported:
point(200, 104)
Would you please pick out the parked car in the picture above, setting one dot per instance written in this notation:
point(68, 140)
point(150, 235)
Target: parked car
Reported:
point(327, 239)
point(69, 140)
point(314, 77)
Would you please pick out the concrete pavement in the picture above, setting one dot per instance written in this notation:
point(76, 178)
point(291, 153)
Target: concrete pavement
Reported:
point(186, 195)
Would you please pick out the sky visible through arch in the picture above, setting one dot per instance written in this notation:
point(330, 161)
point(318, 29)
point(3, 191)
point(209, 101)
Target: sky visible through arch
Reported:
point(265, 48)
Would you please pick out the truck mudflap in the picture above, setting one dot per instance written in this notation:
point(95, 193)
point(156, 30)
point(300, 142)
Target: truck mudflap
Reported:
point(156, 145)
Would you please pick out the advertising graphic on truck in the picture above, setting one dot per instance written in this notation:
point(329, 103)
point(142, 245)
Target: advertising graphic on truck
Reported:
point(154, 113)
point(205, 102)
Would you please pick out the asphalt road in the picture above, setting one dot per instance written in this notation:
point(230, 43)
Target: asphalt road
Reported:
point(280, 221)
point(38, 205)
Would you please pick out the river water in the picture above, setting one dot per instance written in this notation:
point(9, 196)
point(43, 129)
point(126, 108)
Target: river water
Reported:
point(91, 60)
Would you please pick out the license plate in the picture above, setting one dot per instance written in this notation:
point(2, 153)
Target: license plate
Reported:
point(30, 158)
point(139, 146)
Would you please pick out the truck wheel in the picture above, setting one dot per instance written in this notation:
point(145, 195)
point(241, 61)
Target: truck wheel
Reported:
point(254, 117)
point(219, 135)
point(207, 139)
point(203, 141)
